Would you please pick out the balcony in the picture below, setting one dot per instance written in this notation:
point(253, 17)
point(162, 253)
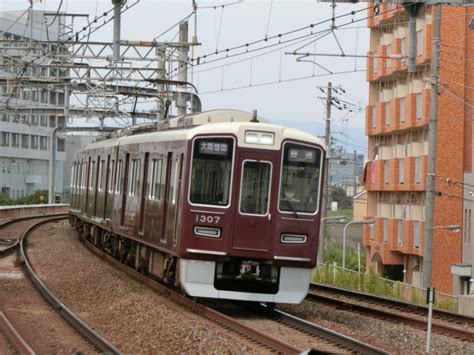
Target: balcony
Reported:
point(389, 178)
point(386, 12)
point(391, 251)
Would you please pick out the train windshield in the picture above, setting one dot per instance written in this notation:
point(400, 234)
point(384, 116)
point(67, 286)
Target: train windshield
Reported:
point(300, 179)
point(211, 171)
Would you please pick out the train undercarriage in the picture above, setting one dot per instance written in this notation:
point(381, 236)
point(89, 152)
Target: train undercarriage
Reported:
point(234, 278)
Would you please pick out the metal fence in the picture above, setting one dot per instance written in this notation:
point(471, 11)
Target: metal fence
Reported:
point(372, 283)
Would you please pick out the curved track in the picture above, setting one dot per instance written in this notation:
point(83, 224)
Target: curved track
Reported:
point(81, 327)
point(448, 323)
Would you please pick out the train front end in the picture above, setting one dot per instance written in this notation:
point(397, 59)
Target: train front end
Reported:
point(250, 225)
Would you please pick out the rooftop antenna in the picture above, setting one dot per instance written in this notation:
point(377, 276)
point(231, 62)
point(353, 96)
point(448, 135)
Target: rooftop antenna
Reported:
point(254, 117)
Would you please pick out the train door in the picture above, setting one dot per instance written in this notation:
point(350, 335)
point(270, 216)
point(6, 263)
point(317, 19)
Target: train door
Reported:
point(253, 215)
point(143, 195)
point(164, 225)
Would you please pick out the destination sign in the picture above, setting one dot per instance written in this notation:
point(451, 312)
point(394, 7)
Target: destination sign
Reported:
point(301, 155)
point(215, 148)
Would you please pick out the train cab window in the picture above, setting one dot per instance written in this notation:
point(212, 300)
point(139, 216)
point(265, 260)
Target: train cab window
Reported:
point(300, 179)
point(134, 182)
point(110, 176)
point(118, 184)
point(101, 176)
point(211, 171)
point(155, 179)
point(255, 187)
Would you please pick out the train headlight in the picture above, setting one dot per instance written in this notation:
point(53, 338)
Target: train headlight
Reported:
point(293, 238)
point(207, 232)
point(258, 137)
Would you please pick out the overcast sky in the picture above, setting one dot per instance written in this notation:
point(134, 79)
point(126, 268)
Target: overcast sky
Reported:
point(254, 83)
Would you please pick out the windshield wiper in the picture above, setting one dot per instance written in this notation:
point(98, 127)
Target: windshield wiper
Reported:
point(292, 208)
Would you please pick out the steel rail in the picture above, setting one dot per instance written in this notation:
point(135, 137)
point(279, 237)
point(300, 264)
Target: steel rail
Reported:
point(316, 330)
point(466, 334)
point(9, 249)
point(273, 343)
point(80, 326)
point(13, 336)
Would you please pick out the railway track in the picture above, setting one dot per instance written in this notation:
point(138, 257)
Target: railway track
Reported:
point(447, 323)
point(311, 336)
point(79, 329)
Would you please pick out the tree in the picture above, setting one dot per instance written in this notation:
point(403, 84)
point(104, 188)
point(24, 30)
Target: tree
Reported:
point(338, 194)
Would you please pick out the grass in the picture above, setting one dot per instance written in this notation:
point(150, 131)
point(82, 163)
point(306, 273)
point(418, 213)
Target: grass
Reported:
point(373, 283)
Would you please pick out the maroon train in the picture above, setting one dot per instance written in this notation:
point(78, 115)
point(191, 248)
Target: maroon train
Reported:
point(220, 203)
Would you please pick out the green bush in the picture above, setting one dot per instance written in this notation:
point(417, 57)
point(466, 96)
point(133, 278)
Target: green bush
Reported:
point(33, 199)
point(333, 253)
point(5, 200)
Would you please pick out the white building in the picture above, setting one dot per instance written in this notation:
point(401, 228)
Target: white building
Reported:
point(31, 102)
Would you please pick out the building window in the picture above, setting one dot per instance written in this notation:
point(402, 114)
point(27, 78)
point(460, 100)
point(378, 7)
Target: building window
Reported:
point(385, 230)
point(416, 234)
point(376, 62)
point(5, 139)
point(419, 43)
point(44, 121)
point(419, 106)
point(61, 121)
point(403, 49)
point(388, 109)
point(61, 144)
point(34, 142)
point(25, 140)
point(371, 231)
point(374, 116)
point(43, 143)
point(34, 120)
point(401, 171)
point(52, 121)
point(15, 140)
point(388, 61)
point(400, 232)
point(418, 170)
point(386, 179)
point(5, 117)
point(402, 110)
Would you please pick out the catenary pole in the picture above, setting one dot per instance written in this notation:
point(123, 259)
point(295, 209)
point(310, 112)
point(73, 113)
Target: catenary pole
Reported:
point(430, 177)
point(324, 203)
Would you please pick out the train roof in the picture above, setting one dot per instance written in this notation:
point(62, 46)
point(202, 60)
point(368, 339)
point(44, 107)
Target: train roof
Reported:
point(205, 123)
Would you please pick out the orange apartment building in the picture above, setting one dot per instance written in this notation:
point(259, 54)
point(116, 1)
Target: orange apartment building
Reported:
point(397, 120)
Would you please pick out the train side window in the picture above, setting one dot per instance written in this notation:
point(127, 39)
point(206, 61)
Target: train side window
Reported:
point(91, 174)
point(110, 176)
point(101, 177)
point(73, 177)
point(84, 172)
point(134, 182)
point(155, 179)
point(118, 184)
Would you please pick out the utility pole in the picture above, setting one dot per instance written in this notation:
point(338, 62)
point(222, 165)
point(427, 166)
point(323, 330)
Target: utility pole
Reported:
point(430, 176)
point(182, 68)
point(354, 167)
point(326, 184)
